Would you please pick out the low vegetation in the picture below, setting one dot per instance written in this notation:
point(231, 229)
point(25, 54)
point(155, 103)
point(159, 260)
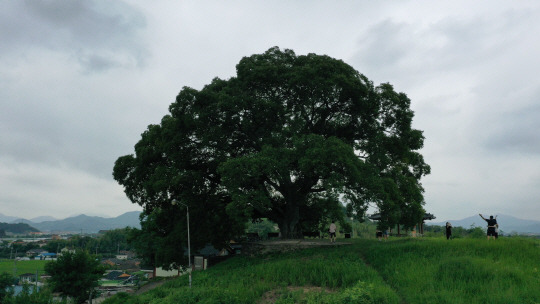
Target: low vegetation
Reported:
point(21, 267)
point(406, 270)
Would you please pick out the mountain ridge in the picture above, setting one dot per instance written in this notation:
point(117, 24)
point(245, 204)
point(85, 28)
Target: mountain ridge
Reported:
point(83, 223)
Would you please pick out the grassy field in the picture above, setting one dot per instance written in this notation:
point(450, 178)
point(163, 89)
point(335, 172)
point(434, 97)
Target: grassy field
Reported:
point(428, 270)
point(21, 267)
point(459, 271)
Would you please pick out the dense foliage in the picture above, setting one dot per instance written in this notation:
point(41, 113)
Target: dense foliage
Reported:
point(290, 138)
point(75, 275)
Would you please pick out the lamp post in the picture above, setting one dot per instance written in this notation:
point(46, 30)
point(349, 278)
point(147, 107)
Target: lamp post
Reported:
point(175, 202)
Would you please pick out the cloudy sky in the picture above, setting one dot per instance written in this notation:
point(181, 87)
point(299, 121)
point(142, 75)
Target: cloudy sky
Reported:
point(81, 80)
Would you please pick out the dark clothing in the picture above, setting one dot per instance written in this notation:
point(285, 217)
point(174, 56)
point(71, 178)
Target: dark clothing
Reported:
point(491, 222)
point(448, 232)
point(491, 226)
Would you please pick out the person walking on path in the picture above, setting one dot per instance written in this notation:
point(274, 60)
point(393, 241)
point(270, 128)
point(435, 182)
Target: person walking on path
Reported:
point(332, 231)
point(492, 224)
point(448, 230)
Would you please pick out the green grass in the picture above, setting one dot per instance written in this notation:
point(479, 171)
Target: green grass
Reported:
point(405, 270)
point(21, 267)
point(459, 271)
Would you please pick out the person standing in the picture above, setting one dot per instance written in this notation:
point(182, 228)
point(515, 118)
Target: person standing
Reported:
point(379, 234)
point(492, 224)
point(332, 231)
point(448, 230)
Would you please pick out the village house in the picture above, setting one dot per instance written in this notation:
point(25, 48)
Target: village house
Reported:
point(35, 252)
point(113, 275)
point(27, 278)
point(66, 250)
point(47, 256)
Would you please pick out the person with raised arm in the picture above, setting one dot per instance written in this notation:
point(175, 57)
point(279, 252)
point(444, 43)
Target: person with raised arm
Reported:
point(492, 224)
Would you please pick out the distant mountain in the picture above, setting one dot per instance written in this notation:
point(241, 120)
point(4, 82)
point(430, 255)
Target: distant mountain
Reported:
point(40, 219)
point(22, 221)
point(88, 224)
point(507, 223)
point(16, 228)
point(6, 219)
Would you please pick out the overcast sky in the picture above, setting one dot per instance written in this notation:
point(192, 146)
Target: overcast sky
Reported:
point(81, 80)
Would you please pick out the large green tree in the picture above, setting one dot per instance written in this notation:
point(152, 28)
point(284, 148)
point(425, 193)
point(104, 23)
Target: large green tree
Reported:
point(75, 275)
point(289, 138)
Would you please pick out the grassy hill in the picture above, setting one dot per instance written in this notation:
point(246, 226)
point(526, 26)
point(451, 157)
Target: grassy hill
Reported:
point(428, 270)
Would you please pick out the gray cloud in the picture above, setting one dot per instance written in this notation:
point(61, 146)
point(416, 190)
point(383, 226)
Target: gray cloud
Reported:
point(514, 132)
point(78, 87)
point(99, 35)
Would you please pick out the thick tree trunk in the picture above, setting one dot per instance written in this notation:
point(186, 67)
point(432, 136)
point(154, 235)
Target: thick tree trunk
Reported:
point(288, 226)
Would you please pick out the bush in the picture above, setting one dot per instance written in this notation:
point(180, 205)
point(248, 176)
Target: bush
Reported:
point(476, 233)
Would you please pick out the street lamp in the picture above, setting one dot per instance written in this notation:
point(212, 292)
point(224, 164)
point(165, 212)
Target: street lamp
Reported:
point(175, 202)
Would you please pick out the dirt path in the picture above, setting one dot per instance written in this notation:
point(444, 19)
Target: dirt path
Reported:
point(149, 286)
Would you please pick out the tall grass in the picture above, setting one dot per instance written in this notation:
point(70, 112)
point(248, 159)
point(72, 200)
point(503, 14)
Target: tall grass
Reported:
point(459, 271)
point(428, 270)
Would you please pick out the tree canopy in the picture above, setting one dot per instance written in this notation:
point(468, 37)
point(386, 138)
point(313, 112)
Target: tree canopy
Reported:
point(75, 274)
point(289, 138)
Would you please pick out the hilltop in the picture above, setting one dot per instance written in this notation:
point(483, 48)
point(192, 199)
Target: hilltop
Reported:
point(19, 228)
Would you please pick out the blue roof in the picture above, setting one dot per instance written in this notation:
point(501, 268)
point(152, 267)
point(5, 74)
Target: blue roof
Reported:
point(48, 254)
